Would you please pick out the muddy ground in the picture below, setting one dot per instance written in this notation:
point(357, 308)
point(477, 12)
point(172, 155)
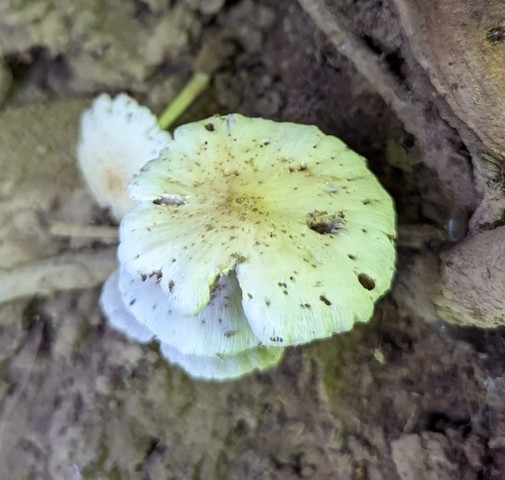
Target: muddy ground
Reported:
point(416, 393)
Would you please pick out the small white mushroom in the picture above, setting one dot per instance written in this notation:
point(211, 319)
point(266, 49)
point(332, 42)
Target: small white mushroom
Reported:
point(117, 138)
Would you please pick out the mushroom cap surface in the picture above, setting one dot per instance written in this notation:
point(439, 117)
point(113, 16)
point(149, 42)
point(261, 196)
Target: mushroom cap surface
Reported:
point(117, 138)
point(295, 214)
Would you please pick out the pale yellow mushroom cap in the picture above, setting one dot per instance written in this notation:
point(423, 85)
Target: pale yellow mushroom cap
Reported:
point(117, 138)
point(295, 214)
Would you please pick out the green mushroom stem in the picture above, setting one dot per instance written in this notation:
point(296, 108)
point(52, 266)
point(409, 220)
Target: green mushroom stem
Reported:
point(196, 85)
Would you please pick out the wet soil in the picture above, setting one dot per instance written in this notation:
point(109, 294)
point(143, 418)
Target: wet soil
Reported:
point(405, 396)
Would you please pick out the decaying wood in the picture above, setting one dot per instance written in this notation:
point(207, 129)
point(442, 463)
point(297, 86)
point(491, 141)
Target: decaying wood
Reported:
point(410, 109)
point(461, 45)
point(69, 271)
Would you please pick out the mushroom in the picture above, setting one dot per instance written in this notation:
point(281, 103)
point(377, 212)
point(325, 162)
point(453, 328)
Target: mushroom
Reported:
point(243, 235)
point(292, 213)
point(200, 362)
point(117, 138)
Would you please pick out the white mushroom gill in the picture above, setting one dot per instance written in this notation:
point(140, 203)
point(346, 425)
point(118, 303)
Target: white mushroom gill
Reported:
point(296, 215)
point(204, 367)
point(220, 329)
point(111, 303)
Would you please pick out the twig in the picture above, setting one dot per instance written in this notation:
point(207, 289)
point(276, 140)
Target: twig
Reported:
point(69, 271)
point(97, 232)
point(197, 84)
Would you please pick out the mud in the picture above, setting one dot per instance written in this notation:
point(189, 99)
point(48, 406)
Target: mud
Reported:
point(405, 396)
